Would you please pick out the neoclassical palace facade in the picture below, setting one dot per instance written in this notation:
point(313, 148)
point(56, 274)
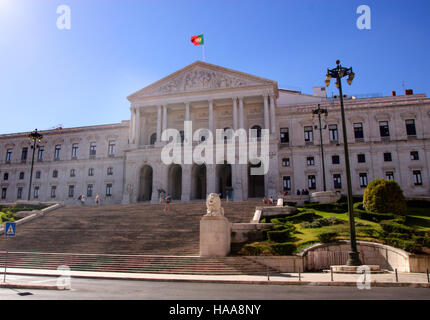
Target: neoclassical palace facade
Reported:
point(389, 137)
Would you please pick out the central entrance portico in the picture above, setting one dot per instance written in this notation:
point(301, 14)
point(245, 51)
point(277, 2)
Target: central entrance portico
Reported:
point(211, 97)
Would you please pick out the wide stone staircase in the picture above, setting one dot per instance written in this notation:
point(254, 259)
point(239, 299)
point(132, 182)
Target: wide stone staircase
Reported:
point(125, 238)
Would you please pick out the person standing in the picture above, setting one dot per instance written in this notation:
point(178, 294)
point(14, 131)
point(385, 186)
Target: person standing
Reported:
point(97, 200)
point(167, 205)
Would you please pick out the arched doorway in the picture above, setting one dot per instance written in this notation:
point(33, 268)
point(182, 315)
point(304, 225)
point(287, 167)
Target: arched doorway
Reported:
point(198, 180)
point(175, 181)
point(145, 184)
point(223, 174)
point(255, 183)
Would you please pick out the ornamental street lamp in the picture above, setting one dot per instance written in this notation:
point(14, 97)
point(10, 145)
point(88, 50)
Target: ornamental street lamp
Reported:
point(319, 112)
point(34, 137)
point(338, 73)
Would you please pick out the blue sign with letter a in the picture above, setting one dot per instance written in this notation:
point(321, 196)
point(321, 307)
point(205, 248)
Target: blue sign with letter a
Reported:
point(10, 229)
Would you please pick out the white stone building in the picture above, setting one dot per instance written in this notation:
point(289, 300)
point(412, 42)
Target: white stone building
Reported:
point(389, 137)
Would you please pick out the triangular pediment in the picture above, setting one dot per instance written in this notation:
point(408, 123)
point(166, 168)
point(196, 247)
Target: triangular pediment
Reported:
point(200, 76)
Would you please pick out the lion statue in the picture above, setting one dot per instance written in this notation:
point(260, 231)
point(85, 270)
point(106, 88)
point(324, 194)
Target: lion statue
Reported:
point(213, 204)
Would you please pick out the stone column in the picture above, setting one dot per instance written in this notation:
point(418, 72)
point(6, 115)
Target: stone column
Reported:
point(241, 115)
point(164, 118)
point(187, 111)
point(272, 115)
point(137, 132)
point(186, 182)
point(158, 124)
point(132, 121)
point(211, 117)
point(210, 178)
point(266, 112)
point(234, 113)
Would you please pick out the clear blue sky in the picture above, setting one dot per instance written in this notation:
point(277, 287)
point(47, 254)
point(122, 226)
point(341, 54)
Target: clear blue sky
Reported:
point(82, 76)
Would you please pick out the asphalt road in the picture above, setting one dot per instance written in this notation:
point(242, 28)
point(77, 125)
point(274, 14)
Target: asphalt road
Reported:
point(97, 289)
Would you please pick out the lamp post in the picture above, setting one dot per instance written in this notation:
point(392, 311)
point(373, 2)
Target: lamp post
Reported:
point(34, 137)
point(319, 112)
point(338, 73)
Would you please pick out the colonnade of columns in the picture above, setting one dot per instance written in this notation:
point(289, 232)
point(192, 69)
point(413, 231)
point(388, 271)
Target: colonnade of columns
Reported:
point(136, 124)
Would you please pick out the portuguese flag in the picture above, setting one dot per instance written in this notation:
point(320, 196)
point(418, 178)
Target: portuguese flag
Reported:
point(197, 40)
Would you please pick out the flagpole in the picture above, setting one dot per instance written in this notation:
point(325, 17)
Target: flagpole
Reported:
point(203, 52)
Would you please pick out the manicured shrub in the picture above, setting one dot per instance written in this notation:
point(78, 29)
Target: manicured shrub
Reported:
point(375, 217)
point(407, 245)
point(303, 216)
point(323, 222)
point(418, 204)
point(291, 204)
point(280, 236)
point(252, 250)
point(383, 196)
point(329, 207)
point(402, 236)
point(327, 237)
point(283, 249)
point(394, 227)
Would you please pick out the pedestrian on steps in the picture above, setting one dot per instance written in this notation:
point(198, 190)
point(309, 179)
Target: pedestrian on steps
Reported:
point(167, 205)
point(97, 200)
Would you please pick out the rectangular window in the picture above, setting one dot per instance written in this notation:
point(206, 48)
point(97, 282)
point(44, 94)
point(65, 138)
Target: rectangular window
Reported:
point(363, 180)
point(358, 130)
point(361, 158)
point(335, 159)
point(418, 180)
point(53, 191)
point(389, 175)
point(3, 193)
point(337, 181)
point(93, 149)
point(89, 190)
point(414, 155)
point(55, 174)
point(6, 176)
point(40, 153)
point(110, 171)
point(90, 172)
point(410, 127)
point(71, 191)
point(388, 157)
point(19, 193)
point(310, 161)
point(286, 162)
point(312, 182)
point(21, 176)
point(8, 155)
point(24, 154)
point(72, 173)
point(285, 135)
point(111, 148)
point(57, 152)
point(38, 173)
point(75, 148)
point(309, 135)
point(334, 135)
point(384, 129)
point(286, 183)
point(109, 190)
point(36, 192)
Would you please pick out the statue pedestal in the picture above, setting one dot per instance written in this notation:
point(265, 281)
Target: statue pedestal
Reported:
point(215, 236)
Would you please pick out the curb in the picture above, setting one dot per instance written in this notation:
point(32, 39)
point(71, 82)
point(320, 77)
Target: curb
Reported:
point(222, 281)
point(15, 285)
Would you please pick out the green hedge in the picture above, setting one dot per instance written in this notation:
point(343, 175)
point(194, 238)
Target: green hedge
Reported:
point(394, 227)
point(328, 207)
point(418, 204)
point(303, 216)
point(323, 222)
point(280, 236)
point(407, 245)
point(283, 249)
point(327, 237)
